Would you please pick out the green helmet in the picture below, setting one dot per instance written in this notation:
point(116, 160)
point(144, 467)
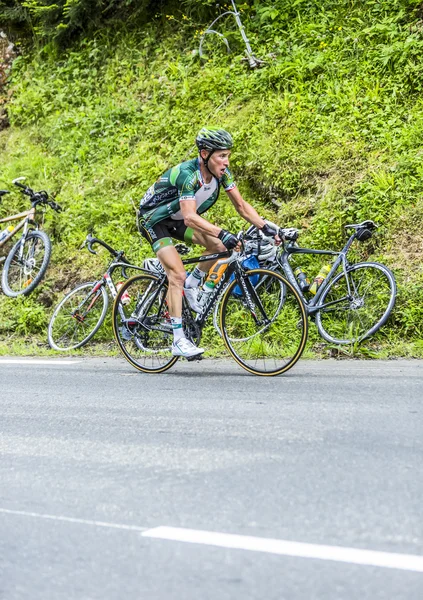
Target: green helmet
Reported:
point(210, 138)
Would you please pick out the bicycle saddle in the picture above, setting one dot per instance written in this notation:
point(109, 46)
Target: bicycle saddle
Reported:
point(364, 225)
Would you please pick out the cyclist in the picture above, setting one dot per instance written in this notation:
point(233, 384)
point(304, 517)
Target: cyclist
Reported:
point(172, 208)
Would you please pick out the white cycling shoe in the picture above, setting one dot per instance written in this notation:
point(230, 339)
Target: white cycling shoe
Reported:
point(192, 294)
point(183, 347)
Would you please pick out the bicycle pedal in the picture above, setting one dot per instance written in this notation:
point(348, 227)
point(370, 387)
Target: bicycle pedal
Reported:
point(197, 357)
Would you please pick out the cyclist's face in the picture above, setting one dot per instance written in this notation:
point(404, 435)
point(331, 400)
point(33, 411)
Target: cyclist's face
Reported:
point(219, 162)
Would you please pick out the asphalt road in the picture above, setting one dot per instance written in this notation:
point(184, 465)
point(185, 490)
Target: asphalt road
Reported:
point(209, 483)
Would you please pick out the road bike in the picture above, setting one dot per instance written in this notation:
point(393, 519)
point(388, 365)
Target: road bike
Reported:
point(262, 318)
point(80, 314)
point(27, 261)
point(354, 300)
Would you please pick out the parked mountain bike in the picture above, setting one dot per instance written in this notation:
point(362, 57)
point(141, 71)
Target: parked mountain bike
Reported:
point(27, 261)
point(80, 314)
point(351, 304)
point(264, 326)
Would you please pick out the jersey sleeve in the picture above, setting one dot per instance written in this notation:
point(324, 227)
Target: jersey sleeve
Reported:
point(227, 181)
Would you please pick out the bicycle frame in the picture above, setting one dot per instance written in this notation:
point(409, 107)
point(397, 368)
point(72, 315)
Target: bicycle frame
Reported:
point(107, 280)
point(233, 267)
point(313, 305)
point(27, 217)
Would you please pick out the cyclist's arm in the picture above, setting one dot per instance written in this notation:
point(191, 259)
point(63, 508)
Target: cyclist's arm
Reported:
point(245, 209)
point(193, 220)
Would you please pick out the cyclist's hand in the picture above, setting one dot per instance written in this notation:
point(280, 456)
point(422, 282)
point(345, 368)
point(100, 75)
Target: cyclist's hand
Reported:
point(270, 230)
point(229, 240)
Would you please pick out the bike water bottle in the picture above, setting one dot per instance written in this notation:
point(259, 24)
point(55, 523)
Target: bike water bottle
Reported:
point(125, 299)
point(213, 278)
point(320, 277)
point(5, 232)
point(215, 274)
point(206, 290)
point(302, 279)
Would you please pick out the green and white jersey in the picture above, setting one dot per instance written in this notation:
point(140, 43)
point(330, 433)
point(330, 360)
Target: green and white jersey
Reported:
point(183, 182)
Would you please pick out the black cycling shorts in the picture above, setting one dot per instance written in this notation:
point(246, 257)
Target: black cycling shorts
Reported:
point(160, 235)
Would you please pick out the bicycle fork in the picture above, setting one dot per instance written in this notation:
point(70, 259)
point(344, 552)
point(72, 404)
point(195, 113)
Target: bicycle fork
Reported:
point(252, 300)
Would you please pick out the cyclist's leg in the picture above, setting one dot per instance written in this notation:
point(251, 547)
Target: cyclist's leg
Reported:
point(175, 271)
point(180, 231)
point(160, 237)
point(176, 275)
point(211, 244)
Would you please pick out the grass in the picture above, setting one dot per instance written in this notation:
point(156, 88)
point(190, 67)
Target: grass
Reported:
point(328, 133)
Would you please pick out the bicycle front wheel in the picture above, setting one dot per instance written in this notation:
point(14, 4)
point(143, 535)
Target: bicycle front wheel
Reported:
point(266, 328)
point(142, 326)
point(77, 317)
point(357, 304)
point(26, 264)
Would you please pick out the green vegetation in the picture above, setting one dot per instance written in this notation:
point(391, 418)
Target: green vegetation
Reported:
point(329, 132)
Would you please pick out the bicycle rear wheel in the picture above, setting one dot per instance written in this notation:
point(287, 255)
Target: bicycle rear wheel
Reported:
point(357, 312)
point(22, 274)
point(142, 327)
point(77, 317)
point(266, 332)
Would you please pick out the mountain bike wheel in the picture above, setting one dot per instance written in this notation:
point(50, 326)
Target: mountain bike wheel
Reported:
point(142, 326)
point(357, 315)
point(267, 332)
point(21, 275)
point(77, 317)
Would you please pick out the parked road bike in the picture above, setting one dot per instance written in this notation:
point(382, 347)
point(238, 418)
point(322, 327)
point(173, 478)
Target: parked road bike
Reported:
point(80, 314)
point(27, 261)
point(353, 301)
point(263, 324)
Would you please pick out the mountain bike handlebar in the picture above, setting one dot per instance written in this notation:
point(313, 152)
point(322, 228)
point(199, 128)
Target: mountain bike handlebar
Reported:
point(40, 197)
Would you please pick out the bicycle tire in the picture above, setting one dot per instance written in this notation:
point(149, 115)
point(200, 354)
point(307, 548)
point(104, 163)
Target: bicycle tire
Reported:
point(358, 318)
point(142, 327)
point(64, 322)
point(281, 341)
point(12, 265)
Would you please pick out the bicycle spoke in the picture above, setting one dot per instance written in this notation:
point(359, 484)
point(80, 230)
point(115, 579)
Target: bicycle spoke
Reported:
point(70, 326)
point(264, 347)
point(22, 275)
point(367, 308)
point(142, 326)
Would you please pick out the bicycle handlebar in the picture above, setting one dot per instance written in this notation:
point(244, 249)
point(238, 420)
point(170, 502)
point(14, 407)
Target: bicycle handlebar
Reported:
point(287, 234)
point(91, 240)
point(40, 197)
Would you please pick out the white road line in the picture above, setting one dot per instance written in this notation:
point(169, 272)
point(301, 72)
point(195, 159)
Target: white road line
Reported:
point(37, 361)
point(370, 558)
point(24, 513)
point(406, 562)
